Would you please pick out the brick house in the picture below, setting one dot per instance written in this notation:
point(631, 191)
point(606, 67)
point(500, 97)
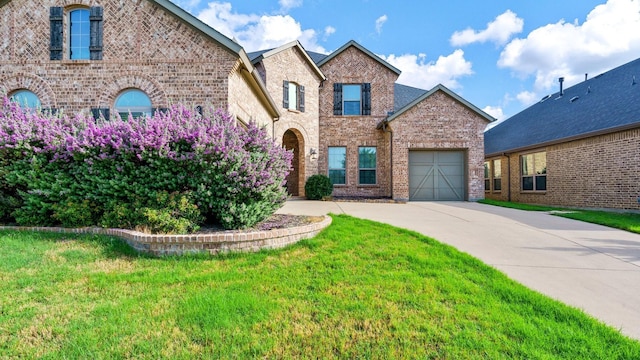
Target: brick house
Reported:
point(382, 139)
point(131, 56)
point(342, 114)
point(579, 147)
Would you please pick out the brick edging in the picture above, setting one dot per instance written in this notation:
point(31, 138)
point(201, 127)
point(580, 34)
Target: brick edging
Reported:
point(213, 243)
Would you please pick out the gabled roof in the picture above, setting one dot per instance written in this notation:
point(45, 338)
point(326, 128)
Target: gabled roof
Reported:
point(226, 43)
point(328, 58)
point(403, 95)
point(258, 56)
point(427, 94)
point(606, 103)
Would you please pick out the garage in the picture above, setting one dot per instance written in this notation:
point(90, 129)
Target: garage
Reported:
point(436, 175)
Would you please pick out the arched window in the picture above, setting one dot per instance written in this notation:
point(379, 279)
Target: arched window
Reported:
point(133, 101)
point(26, 99)
point(79, 34)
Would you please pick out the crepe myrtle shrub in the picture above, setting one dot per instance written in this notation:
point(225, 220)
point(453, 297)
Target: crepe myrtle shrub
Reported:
point(138, 172)
point(318, 186)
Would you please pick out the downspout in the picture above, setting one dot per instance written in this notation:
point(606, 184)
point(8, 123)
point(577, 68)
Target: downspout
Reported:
point(387, 129)
point(508, 176)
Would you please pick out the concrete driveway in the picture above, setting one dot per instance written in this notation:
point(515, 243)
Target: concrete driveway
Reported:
point(591, 267)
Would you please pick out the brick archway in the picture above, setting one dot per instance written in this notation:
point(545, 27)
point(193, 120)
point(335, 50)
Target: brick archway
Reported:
point(33, 83)
point(152, 88)
point(293, 140)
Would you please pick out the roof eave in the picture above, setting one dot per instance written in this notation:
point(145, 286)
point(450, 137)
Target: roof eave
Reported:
point(364, 50)
point(632, 126)
point(289, 45)
point(199, 25)
point(444, 89)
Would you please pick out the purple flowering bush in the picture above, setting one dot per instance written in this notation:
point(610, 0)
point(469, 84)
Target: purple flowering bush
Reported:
point(167, 173)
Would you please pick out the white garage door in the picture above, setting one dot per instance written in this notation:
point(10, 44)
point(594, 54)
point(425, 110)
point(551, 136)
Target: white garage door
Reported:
point(436, 175)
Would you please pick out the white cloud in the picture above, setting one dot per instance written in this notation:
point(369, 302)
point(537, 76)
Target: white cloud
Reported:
point(289, 4)
point(494, 111)
point(498, 31)
point(328, 31)
point(380, 22)
point(527, 98)
point(416, 71)
point(255, 32)
point(609, 37)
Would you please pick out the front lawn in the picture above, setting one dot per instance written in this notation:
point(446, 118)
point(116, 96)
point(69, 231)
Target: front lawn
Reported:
point(358, 290)
point(620, 220)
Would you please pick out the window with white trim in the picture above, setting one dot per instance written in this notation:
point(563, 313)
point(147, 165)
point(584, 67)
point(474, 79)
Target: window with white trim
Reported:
point(134, 102)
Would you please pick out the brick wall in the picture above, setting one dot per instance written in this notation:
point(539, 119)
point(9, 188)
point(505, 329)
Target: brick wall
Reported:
point(354, 66)
point(597, 172)
point(439, 122)
point(290, 65)
point(144, 47)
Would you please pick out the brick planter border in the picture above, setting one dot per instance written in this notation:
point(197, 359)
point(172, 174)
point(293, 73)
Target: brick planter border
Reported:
point(213, 243)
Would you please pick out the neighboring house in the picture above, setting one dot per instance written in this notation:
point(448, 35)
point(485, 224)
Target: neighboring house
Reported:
point(124, 56)
point(579, 147)
point(342, 114)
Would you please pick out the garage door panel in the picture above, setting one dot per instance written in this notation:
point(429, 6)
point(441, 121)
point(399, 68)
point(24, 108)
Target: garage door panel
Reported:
point(436, 175)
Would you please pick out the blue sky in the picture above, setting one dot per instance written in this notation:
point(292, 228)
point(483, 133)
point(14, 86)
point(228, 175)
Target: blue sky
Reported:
point(500, 55)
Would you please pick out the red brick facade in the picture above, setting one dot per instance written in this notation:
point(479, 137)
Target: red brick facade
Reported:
point(595, 172)
point(153, 46)
point(144, 47)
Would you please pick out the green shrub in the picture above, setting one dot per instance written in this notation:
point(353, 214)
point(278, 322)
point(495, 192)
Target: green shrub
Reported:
point(75, 214)
point(318, 186)
point(166, 173)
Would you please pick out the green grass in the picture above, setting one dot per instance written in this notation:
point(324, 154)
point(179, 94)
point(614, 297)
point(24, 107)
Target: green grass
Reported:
point(619, 220)
point(358, 290)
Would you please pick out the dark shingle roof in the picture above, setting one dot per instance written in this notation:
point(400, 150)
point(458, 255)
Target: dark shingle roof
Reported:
point(256, 54)
point(606, 103)
point(316, 57)
point(403, 95)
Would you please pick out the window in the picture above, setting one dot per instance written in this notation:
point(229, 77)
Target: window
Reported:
point(26, 99)
point(338, 165)
point(84, 34)
point(496, 166)
point(534, 171)
point(487, 179)
point(79, 34)
point(367, 165)
point(134, 102)
point(292, 96)
point(351, 99)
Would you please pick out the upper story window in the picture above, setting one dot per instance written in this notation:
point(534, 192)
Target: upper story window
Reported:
point(351, 99)
point(292, 96)
point(79, 34)
point(534, 171)
point(134, 102)
point(26, 99)
point(83, 35)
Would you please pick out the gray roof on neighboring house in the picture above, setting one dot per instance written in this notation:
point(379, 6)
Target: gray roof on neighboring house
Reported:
point(606, 103)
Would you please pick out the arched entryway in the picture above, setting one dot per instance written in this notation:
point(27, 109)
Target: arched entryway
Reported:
point(293, 140)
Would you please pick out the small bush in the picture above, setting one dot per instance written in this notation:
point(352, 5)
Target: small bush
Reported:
point(318, 186)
